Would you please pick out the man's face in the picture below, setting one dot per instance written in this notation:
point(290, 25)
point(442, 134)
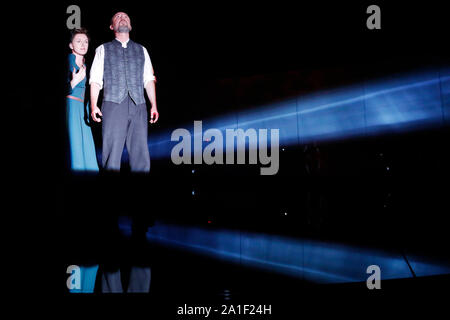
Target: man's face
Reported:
point(120, 23)
point(79, 44)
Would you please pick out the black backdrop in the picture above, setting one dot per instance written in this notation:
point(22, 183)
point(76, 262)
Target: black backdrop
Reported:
point(195, 48)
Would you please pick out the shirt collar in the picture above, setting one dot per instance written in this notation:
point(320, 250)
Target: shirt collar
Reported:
point(124, 44)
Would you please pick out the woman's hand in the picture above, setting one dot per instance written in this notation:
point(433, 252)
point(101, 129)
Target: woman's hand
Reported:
point(77, 77)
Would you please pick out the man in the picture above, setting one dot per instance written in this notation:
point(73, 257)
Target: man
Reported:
point(122, 68)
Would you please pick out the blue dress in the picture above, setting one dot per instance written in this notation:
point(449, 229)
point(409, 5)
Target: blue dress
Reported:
point(82, 149)
point(82, 154)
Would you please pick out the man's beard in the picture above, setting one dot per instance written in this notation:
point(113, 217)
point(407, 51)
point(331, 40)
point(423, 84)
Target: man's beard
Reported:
point(123, 29)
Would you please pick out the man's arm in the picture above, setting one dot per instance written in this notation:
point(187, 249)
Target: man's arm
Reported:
point(149, 83)
point(151, 93)
point(95, 111)
point(96, 82)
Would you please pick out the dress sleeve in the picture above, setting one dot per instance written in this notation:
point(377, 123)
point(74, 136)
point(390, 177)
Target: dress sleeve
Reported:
point(70, 65)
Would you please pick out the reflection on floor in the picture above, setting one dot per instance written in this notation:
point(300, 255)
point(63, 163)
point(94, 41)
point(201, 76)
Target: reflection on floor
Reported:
point(309, 260)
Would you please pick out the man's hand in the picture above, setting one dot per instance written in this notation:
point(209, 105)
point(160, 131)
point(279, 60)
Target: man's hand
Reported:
point(154, 115)
point(96, 114)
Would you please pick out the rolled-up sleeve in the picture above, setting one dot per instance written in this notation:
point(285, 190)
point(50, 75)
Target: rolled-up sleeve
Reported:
point(148, 68)
point(96, 75)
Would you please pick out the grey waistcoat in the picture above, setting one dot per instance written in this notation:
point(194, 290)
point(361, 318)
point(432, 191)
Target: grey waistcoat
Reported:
point(123, 72)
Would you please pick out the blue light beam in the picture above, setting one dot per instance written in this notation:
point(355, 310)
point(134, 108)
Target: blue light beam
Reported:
point(311, 260)
point(397, 104)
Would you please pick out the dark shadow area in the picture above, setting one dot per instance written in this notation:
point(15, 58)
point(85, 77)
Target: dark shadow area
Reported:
point(384, 192)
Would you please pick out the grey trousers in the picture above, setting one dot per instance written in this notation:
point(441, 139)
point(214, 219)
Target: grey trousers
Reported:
point(126, 253)
point(123, 124)
point(140, 278)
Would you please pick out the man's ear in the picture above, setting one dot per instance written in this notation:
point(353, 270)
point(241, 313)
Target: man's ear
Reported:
point(71, 46)
point(111, 27)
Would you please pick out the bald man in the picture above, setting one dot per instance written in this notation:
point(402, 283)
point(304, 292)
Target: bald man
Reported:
point(122, 68)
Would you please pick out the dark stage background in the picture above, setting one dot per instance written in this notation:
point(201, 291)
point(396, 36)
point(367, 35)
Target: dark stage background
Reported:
point(223, 57)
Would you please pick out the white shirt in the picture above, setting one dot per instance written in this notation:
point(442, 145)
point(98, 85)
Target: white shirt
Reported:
point(97, 67)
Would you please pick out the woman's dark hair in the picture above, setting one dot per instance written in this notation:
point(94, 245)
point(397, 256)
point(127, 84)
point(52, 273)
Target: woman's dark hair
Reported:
point(74, 32)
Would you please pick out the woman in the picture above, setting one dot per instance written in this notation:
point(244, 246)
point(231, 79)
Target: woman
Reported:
point(82, 149)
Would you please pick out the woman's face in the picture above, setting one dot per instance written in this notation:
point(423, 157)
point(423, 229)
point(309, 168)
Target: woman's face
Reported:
point(79, 44)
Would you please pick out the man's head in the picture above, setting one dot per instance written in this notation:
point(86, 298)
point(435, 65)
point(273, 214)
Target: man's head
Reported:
point(120, 23)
